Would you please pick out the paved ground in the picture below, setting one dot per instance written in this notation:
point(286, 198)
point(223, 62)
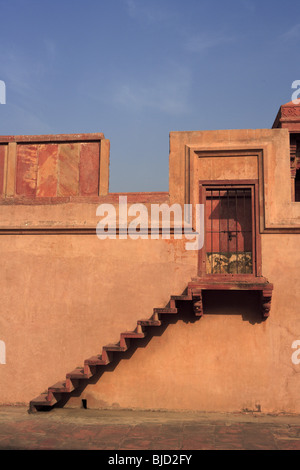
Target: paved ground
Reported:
point(121, 430)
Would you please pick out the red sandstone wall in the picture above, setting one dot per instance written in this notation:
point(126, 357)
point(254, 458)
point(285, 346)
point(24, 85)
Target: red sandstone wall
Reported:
point(65, 293)
point(229, 360)
point(61, 166)
point(64, 297)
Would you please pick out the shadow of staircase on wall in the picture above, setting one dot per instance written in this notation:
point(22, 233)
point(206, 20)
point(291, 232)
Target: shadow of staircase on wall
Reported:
point(250, 300)
point(186, 306)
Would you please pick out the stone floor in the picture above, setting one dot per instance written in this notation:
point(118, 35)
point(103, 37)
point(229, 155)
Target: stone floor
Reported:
point(125, 430)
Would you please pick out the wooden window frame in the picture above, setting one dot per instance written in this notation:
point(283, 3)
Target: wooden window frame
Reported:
point(256, 241)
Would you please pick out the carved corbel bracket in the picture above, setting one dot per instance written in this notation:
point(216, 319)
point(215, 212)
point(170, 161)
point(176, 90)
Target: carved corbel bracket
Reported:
point(266, 298)
point(197, 303)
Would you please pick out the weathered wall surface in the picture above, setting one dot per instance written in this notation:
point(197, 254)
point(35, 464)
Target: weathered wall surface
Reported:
point(229, 360)
point(241, 154)
point(65, 293)
point(35, 167)
point(64, 297)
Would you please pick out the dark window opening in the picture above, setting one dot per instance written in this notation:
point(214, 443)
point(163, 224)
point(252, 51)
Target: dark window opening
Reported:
point(297, 186)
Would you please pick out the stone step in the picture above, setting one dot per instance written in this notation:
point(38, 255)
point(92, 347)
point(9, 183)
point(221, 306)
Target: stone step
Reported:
point(149, 322)
point(115, 347)
point(97, 361)
point(62, 387)
point(133, 335)
point(44, 399)
point(53, 395)
point(166, 310)
point(181, 297)
point(80, 373)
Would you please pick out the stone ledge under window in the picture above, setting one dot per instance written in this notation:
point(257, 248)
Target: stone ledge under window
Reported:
point(260, 284)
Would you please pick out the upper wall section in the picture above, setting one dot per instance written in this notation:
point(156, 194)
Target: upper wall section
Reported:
point(231, 155)
point(288, 117)
point(55, 166)
point(55, 183)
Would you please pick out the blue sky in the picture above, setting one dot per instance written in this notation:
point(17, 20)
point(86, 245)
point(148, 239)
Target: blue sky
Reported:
point(138, 69)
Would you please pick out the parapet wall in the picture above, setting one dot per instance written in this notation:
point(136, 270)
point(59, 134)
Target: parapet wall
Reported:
point(53, 166)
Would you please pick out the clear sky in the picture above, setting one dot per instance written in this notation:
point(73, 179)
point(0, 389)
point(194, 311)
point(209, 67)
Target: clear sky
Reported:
point(138, 69)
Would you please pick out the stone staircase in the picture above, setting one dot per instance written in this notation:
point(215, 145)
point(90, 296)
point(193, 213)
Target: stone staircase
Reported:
point(59, 391)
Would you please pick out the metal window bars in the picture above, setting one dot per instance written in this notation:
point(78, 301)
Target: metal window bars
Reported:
point(229, 231)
